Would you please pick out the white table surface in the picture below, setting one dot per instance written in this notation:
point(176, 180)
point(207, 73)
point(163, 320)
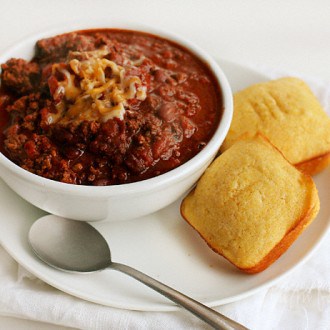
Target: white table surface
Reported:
point(286, 35)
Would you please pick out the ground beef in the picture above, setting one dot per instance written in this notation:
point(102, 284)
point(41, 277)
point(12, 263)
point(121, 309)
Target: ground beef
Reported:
point(57, 49)
point(19, 76)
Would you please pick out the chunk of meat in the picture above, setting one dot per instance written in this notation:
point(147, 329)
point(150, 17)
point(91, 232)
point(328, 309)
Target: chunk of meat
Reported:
point(20, 76)
point(51, 49)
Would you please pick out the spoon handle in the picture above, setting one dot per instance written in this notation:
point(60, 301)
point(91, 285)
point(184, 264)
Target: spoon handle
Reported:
point(213, 318)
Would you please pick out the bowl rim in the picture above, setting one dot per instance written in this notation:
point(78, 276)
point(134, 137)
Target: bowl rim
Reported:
point(177, 174)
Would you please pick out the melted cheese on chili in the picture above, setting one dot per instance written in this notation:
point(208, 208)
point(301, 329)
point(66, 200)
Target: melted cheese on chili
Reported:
point(94, 88)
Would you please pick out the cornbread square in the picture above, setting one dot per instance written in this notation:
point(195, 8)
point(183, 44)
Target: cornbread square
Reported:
point(251, 204)
point(288, 113)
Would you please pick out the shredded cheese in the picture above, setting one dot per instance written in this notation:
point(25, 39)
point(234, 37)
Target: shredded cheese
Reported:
point(94, 88)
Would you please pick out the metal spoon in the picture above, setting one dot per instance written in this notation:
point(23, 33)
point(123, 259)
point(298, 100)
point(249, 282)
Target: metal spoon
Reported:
point(76, 246)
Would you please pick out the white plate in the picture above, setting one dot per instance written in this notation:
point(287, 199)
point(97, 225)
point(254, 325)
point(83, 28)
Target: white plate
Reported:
point(161, 245)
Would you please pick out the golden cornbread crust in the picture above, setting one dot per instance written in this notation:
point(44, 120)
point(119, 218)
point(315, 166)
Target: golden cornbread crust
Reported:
point(314, 165)
point(288, 113)
point(251, 204)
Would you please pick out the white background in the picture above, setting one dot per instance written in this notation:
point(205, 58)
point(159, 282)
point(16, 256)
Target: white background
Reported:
point(285, 35)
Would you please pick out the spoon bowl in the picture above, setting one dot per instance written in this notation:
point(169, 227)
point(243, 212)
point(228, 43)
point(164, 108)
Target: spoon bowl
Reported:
point(76, 246)
point(69, 245)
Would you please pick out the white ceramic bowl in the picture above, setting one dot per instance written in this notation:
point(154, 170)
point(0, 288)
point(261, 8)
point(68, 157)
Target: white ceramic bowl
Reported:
point(126, 201)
